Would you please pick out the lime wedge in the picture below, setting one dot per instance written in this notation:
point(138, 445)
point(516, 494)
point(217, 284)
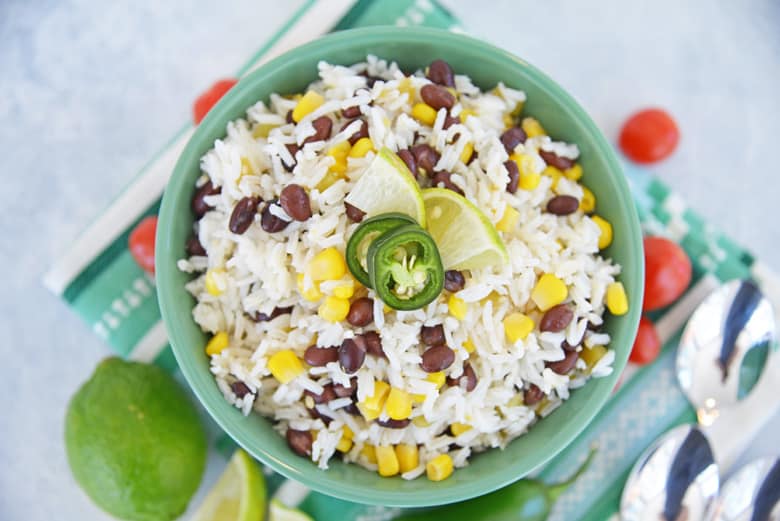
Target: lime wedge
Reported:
point(464, 235)
point(386, 186)
point(280, 512)
point(239, 495)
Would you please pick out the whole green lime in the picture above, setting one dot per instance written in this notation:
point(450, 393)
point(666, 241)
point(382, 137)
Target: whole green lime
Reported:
point(135, 443)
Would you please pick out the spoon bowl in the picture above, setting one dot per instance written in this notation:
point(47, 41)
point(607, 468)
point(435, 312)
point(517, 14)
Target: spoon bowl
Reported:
point(753, 492)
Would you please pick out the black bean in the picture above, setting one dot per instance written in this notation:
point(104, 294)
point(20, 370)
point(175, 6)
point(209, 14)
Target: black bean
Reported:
point(449, 121)
point(292, 148)
point(194, 247)
point(346, 391)
point(319, 356)
point(594, 327)
point(373, 344)
point(295, 201)
point(454, 280)
point(553, 159)
point(265, 317)
point(199, 206)
point(569, 347)
point(354, 213)
point(300, 442)
point(370, 80)
point(556, 318)
point(271, 223)
point(243, 215)
point(532, 395)
point(288, 117)
point(352, 409)
point(240, 389)
point(439, 71)
point(426, 157)
point(393, 424)
point(468, 380)
point(563, 205)
point(566, 365)
point(361, 312)
point(328, 394)
point(361, 133)
point(514, 176)
point(437, 358)
point(444, 178)
point(437, 97)
point(432, 335)
point(408, 158)
point(352, 354)
point(323, 126)
point(351, 112)
point(512, 137)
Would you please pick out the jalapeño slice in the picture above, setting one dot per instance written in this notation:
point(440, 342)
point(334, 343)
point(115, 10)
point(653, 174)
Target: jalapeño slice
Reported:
point(369, 231)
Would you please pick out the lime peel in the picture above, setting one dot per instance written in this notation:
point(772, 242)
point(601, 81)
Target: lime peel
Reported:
point(281, 512)
point(238, 495)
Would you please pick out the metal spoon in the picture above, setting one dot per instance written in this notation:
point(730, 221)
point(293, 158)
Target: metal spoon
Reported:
point(751, 494)
point(724, 347)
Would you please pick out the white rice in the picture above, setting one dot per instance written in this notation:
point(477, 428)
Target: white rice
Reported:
point(256, 272)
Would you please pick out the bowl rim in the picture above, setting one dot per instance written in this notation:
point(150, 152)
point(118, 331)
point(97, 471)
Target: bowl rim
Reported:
point(288, 467)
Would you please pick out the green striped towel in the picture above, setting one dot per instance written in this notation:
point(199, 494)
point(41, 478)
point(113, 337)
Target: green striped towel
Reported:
point(99, 279)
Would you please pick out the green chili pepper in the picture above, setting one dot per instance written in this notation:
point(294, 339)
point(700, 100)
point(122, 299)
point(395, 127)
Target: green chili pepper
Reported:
point(368, 231)
point(405, 267)
point(524, 500)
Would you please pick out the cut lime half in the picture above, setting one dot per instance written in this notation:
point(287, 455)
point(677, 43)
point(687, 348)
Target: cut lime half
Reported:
point(387, 186)
point(239, 495)
point(280, 512)
point(464, 235)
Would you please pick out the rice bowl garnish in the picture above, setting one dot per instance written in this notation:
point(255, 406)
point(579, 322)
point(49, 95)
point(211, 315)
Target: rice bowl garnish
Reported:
point(298, 330)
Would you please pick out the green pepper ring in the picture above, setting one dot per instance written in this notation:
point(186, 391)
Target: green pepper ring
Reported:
point(380, 223)
point(386, 271)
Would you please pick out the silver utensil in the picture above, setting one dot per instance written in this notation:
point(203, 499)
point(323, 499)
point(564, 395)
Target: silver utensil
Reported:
point(724, 347)
point(752, 493)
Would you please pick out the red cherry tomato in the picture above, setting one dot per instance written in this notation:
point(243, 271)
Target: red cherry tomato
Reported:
point(667, 272)
point(649, 136)
point(141, 243)
point(647, 345)
point(210, 98)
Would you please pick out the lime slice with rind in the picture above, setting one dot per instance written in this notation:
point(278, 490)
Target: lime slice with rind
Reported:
point(280, 512)
point(387, 186)
point(239, 495)
point(464, 235)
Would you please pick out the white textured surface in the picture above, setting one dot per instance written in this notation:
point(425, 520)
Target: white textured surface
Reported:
point(89, 90)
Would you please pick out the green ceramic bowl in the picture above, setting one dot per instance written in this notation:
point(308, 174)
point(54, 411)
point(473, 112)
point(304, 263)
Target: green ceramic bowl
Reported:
point(412, 49)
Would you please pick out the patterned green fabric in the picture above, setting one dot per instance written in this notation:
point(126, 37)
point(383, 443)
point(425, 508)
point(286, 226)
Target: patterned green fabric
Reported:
point(118, 300)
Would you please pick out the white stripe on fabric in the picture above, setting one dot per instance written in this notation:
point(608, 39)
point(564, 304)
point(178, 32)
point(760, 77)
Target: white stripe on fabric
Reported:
point(291, 493)
point(151, 344)
point(676, 317)
point(139, 195)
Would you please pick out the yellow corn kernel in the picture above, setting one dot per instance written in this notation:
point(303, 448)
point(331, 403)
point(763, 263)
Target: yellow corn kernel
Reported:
point(457, 307)
point(438, 378)
point(588, 202)
point(329, 179)
point(361, 147)
point(334, 309)
point(312, 294)
point(217, 343)
point(532, 127)
point(369, 452)
point(439, 468)
point(420, 421)
point(246, 166)
point(285, 365)
point(468, 151)
point(372, 406)
point(212, 286)
point(465, 113)
point(329, 264)
point(469, 346)
point(346, 432)
point(605, 238)
point(518, 109)
point(518, 326)
point(339, 153)
point(574, 173)
point(508, 220)
point(508, 120)
point(551, 171)
point(398, 404)
point(344, 444)
point(459, 428)
point(345, 289)
point(423, 113)
point(592, 355)
point(263, 129)
point(310, 102)
point(529, 181)
point(386, 460)
point(405, 86)
point(617, 302)
point(453, 91)
point(408, 456)
point(549, 291)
